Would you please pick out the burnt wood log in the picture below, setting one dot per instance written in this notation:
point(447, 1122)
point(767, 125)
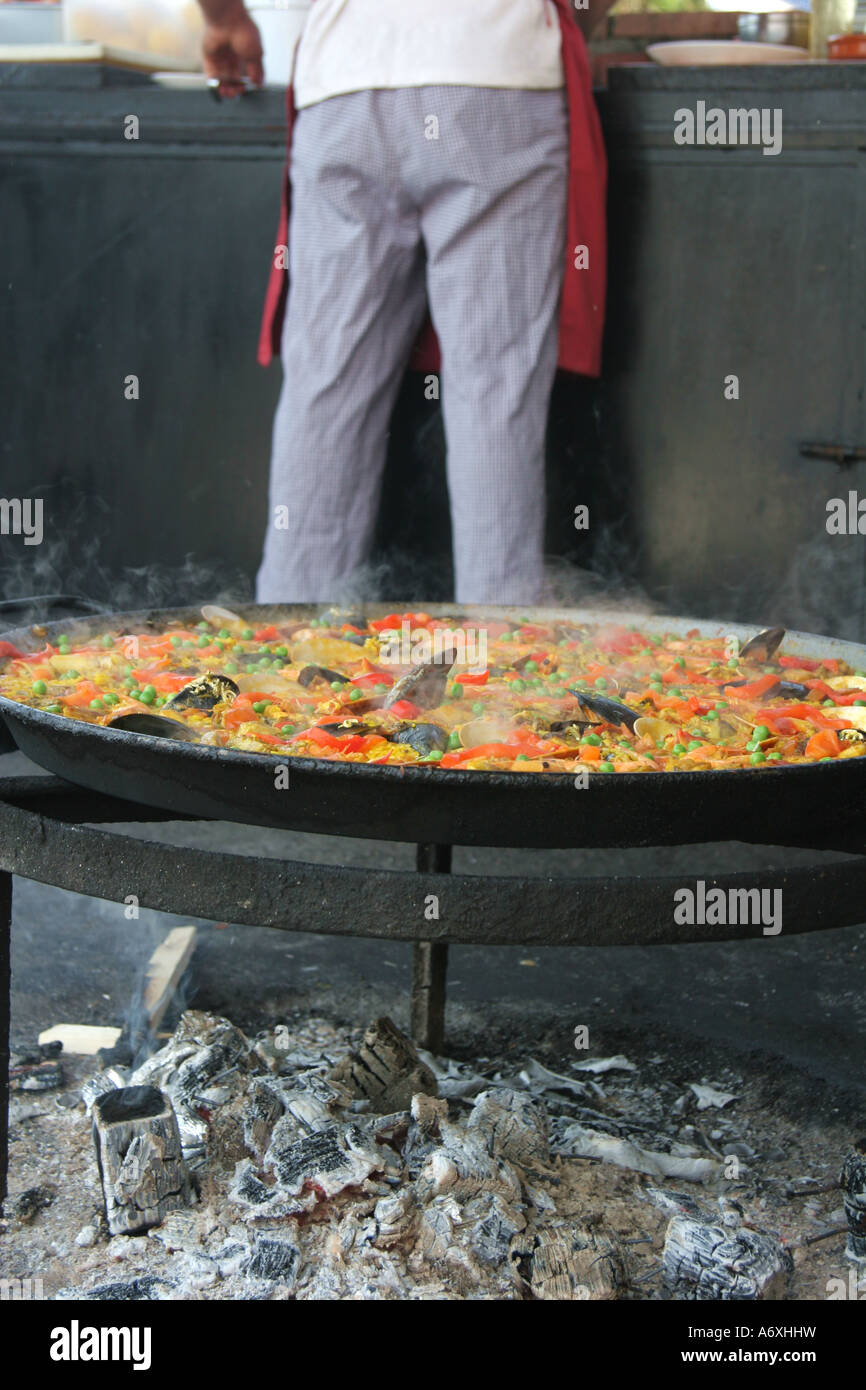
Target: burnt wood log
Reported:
point(704, 1260)
point(138, 1151)
point(853, 1182)
point(386, 1069)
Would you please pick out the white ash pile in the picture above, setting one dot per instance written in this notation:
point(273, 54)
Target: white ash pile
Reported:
point(306, 1169)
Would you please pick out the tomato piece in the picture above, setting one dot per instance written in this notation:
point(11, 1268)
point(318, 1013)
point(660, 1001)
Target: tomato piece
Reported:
point(470, 678)
point(267, 634)
point(84, 692)
point(824, 745)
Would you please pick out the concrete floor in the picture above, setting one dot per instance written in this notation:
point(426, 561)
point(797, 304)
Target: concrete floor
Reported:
point(797, 1004)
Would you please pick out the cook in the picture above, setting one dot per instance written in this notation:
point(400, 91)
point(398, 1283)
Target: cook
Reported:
point(443, 157)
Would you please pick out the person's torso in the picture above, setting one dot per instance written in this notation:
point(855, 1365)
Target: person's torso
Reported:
point(355, 45)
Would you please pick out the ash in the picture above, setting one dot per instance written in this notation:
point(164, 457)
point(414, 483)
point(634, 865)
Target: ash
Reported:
point(329, 1164)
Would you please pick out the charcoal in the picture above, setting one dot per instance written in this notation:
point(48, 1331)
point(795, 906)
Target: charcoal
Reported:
point(327, 1161)
point(386, 1069)
point(493, 1225)
point(28, 1205)
point(707, 1261)
point(276, 1260)
point(514, 1125)
point(42, 1075)
point(853, 1183)
point(396, 1219)
point(100, 1084)
point(146, 1288)
point(262, 1111)
point(138, 1150)
point(575, 1264)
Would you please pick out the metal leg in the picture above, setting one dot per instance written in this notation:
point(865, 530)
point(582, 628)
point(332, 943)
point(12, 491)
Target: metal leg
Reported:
point(5, 1006)
point(430, 965)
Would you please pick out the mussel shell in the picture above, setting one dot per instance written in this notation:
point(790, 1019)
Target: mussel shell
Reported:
point(221, 617)
point(762, 646)
point(312, 673)
point(649, 727)
point(424, 738)
point(610, 711)
point(205, 692)
point(424, 685)
point(155, 725)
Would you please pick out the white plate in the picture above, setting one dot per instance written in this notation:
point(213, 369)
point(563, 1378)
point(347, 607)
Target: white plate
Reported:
point(696, 53)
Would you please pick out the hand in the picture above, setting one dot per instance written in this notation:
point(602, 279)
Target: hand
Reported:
point(232, 50)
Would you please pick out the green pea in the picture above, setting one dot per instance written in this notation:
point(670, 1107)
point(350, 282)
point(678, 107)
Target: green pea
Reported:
point(187, 642)
point(828, 702)
point(606, 767)
point(454, 739)
point(230, 668)
point(679, 748)
point(530, 665)
point(160, 701)
point(777, 757)
point(96, 704)
point(202, 627)
point(518, 685)
point(560, 692)
point(676, 692)
point(337, 685)
point(379, 688)
point(287, 728)
point(761, 733)
point(860, 702)
point(694, 743)
point(680, 661)
point(224, 632)
point(175, 641)
point(356, 694)
point(713, 664)
point(108, 641)
point(203, 641)
point(148, 695)
point(721, 704)
point(39, 687)
point(281, 651)
point(477, 707)
point(600, 683)
point(54, 709)
point(111, 698)
point(434, 756)
point(522, 758)
point(248, 634)
point(73, 675)
point(655, 675)
point(826, 760)
point(260, 706)
point(757, 757)
point(657, 687)
point(592, 739)
point(656, 641)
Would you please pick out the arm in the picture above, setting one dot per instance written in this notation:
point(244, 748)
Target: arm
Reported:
point(232, 45)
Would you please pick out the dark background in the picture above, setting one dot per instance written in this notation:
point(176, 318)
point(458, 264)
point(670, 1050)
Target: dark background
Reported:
point(150, 257)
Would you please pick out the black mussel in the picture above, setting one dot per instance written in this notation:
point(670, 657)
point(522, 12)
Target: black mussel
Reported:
point(424, 685)
point(358, 639)
point(157, 725)
point(340, 617)
point(793, 689)
point(577, 727)
point(424, 738)
point(205, 692)
point(762, 646)
point(610, 711)
point(319, 673)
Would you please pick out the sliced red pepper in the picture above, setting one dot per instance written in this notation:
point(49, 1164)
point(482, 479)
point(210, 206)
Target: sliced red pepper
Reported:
point(368, 679)
point(7, 649)
point(84, 692)
point(391, 623)
point(619, 639)
point(798, 663)
point(472, 678)
point(754, 688)
point(404, 709)
point(267, 634)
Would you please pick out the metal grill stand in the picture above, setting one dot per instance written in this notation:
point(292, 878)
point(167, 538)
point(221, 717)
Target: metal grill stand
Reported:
point(49, 832)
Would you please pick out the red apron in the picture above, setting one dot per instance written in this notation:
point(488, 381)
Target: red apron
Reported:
point(583, 290)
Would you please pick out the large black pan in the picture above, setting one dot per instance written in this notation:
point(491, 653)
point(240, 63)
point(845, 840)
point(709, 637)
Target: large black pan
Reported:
point(430, 805)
